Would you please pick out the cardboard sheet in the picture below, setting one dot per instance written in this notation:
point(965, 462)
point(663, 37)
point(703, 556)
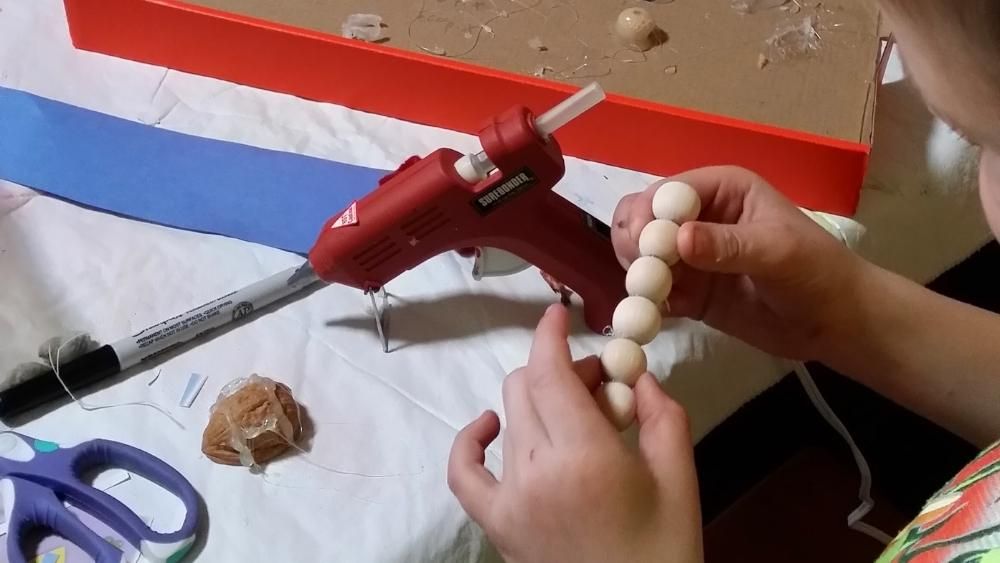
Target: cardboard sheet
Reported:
point(713, 48)
point(67, 267)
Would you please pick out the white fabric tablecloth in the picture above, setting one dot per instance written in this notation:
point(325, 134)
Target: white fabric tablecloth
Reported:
point(64, 268)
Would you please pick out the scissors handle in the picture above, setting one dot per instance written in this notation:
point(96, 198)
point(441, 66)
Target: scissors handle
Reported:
point(35, 506)
point(153, 545)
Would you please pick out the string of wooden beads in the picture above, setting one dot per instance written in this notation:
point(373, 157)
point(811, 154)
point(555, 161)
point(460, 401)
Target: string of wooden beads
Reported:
point(637, 318)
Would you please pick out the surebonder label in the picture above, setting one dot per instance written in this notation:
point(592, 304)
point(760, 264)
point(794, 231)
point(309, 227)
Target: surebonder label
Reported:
point(506, 191)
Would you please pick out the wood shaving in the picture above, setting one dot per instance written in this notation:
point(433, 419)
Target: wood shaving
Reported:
point(762, 61)
point(541, 70)
point(792, 8)
point(670, 70)
point(435, 50)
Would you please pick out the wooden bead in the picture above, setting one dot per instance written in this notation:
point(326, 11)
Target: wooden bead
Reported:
point(637, 319)
point(649, 277)
point(623, 361)
point(617, 402)
point(659, 238)
point(634, 28)
point(677, 202)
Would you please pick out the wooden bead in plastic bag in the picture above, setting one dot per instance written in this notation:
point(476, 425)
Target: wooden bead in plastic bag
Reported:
point(623, 361)
point(254, 420)
point(677, 202)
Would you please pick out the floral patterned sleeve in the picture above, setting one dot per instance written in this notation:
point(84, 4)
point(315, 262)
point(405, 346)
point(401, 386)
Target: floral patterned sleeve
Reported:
point(959, 524)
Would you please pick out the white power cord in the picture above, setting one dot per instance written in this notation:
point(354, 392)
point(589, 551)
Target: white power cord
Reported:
point(854, 519)
point(848, 232)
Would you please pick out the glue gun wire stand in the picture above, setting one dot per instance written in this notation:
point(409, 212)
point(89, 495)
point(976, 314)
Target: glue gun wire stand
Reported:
point(500, 197)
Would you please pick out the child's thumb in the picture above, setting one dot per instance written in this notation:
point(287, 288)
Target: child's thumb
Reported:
point(664, 433)
point(752, 248)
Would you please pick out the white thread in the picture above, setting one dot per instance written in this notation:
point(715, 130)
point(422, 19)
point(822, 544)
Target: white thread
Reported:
point(854, 519)
point(306, 459)
point(241, 442)
point(265, 476)
point(92, 408)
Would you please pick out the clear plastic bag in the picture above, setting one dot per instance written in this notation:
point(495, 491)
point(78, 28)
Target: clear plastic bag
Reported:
point(253, 420)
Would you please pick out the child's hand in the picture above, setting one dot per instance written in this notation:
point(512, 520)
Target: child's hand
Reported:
point(753, 266)
point(571, 490)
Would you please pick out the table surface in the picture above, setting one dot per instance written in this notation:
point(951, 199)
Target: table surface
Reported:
point(66, 269)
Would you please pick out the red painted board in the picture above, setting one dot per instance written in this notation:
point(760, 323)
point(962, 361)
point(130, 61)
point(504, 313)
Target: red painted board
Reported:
point(816, 172)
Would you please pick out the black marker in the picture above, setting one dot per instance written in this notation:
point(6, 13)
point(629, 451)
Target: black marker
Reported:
point(118, 356)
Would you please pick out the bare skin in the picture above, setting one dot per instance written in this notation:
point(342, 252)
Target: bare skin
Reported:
point(756, 268)
point(571, 489)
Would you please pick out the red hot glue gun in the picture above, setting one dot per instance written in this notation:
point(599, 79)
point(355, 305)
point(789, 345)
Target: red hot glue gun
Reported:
point(500, 198)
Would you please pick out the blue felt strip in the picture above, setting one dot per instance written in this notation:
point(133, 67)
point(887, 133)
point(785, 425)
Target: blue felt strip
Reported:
point(270, 197)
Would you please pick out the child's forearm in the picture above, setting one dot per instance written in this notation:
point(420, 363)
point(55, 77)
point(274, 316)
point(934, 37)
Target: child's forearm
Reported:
point(932, 354)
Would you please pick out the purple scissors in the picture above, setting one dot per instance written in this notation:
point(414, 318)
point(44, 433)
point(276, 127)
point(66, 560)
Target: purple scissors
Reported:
point(37, 477)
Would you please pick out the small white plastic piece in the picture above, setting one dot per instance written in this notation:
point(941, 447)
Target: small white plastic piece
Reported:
point(467, 170)
point(196, 382)
point(623, 361)
point(637, 319)
point(569, 109)
point(474, 168)
point(634, 28)
point(649, 277)
point(659, 239)
point(677, 202)
point(617, 402)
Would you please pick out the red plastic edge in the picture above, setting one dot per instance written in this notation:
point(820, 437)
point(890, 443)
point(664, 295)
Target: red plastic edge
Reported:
point(816, 172)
